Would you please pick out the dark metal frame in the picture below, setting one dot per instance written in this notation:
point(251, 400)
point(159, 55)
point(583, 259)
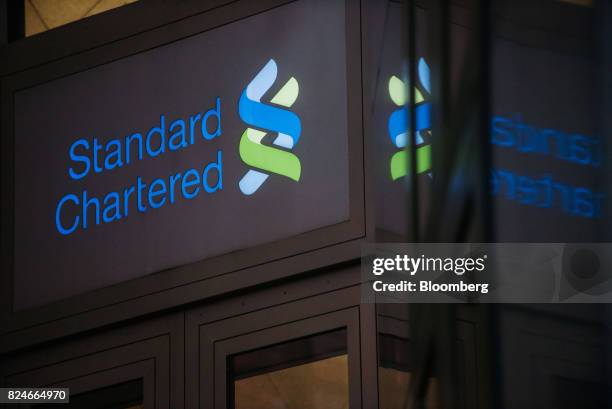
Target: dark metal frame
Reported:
point(26, 64)
point(282, 332)
point(210, 341)
point(169, 351)
point(152, 351)
point(12, 20)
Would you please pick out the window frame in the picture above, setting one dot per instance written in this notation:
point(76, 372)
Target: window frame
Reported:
point(210, 343)
point(151, 350)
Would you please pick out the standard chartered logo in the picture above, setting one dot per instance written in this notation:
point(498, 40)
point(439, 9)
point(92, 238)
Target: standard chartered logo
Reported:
point(398, 123)
point(285, 124)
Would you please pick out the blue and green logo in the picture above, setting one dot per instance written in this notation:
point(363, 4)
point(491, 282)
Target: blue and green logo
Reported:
point(398, 123)
point(262, 119)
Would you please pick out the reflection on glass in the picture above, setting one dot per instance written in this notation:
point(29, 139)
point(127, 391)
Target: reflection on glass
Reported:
point(309, 373)
point(43, 15)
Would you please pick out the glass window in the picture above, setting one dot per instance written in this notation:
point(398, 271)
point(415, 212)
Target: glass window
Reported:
point(43, 15)
point(307, 373)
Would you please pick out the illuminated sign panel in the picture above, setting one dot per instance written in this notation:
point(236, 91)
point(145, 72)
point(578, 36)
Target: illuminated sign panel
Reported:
point(214, 143)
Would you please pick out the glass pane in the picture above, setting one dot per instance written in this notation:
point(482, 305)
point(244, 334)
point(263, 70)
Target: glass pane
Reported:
point(390, 124)
point(304, 374)
point(402, 358)
point(551, 180)
point(43, 15)
point(548, 135)
point(394, 385)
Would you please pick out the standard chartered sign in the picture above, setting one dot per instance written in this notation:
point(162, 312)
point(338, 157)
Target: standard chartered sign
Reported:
point(203, 146)
point(170, 137)
point(165, 138)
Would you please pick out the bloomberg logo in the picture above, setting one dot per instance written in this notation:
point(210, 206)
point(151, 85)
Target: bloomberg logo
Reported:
point(89, 157)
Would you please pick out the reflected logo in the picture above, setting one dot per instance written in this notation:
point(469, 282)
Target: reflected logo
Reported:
point(265, 159)
point(398, 124)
